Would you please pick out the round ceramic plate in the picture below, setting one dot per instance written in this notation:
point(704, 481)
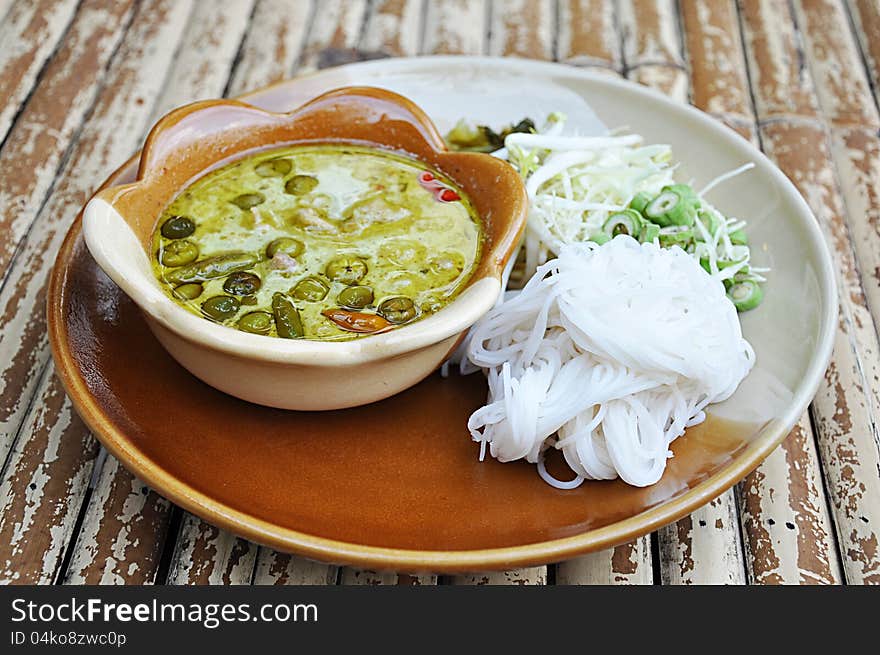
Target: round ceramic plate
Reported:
point(398, 484)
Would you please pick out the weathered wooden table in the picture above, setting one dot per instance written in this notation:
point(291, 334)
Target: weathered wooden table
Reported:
point(81, 81)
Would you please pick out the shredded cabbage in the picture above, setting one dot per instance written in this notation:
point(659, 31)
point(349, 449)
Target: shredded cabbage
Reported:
point(574, 183)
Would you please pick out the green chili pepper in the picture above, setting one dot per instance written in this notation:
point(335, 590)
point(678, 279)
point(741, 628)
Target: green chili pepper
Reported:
point(686, 192)
point(739, 238)
point(670, 207)
point(288, 323)
point(708, 220)
point(745, 295)
point(600, 238)
point(213, 267)
point(722, 264)
point(627, 221)
point(676, 235)
point(649, 232)
point(640, 201)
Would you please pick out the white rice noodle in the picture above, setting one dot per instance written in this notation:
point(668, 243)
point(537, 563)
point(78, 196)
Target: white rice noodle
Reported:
point(607, 354)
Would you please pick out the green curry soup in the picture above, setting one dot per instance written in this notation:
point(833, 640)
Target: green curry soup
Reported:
point(321, 242)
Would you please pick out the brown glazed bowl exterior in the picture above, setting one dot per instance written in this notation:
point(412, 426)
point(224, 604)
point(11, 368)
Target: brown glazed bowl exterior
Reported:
point(299, 374)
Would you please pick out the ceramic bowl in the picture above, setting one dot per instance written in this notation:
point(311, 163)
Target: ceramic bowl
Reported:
point(299, 374)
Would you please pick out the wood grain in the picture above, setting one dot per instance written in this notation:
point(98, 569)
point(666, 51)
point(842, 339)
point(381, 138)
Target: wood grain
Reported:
point(713, 45)
point(274, 568)
point(108, 138)
point(123, 532)
point(81, 82)
point(787, 529)
point(865, 15)
point(272, 47)
point(536, 575)
point(334, 34)
point(652, 45)
point(205, 554)
point(210, 42)
point(210, 45)
point(627, 564)
point(38, 143)
point(519, 28)
point(354, 576)
point(455, 27)
point(29, 33)
point(588, 35)
point(394, 28)
point(795, 136)
point(44, 482)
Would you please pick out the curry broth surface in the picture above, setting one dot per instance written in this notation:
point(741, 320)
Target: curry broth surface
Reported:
point(367, 203)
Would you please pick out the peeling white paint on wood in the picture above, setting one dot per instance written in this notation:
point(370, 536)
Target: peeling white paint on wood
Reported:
point(122, 533)
point(536, 575)
point(29, 33)
point(787, 529)
point(334, 34)
point(627, 564)
point(274, 568)
point(108, 138)
point(455, 27)
point(205, 554)
point(522, 28)
point(273, 44)
point(210, 44)
point(394, 28)
point(588, 34)
point(43, 486)
point(703, 548)
point(845, 406)
point(355, 576)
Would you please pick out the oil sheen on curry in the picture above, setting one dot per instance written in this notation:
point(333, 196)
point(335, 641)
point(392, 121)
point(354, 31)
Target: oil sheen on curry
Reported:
point(326, 242)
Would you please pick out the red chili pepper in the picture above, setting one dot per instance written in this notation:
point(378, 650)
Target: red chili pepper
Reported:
point(356, 321)
point(447, 195)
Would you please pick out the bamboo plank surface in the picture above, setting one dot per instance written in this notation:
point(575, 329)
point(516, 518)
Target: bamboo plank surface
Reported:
point(394, 28)
point(29, 32)
point(627, 564)
point(455, 27)
point(787, 528)
point(110, 525)
point(865, 15)
point(108, 138)
point(519, 28)
point(703, 548)
point(123, 532)
point(273, 44)
point(536, 575)
point(588, 35)
point(44, 481)
point(274, 568)
point(799, 78)
point(652, 46)
point(38, 142)
point(713, 47)
point(794, 135)
point(354, 576)
point(206, 554)
point(334, 34)
point(719, 83)
point(201, 68)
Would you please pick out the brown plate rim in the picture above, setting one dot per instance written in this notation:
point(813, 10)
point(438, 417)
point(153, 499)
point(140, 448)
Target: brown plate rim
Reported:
point(439, 561)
